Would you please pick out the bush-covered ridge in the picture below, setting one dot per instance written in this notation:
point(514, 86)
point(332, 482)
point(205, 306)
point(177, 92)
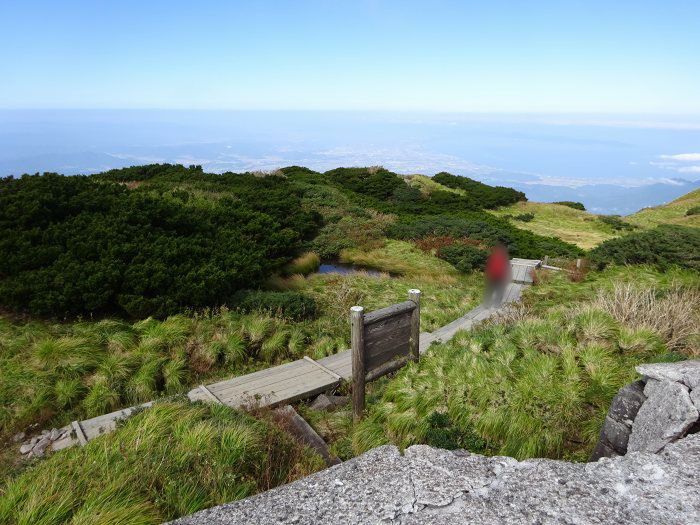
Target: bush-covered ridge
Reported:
point(75, 245)
point(572, 204)
point(158, 239)
point(664, 246)
point(487, 196)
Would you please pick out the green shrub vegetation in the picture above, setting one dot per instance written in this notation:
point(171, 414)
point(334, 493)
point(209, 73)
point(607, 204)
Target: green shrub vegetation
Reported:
point(572, 204)
point(171, 460)
point(289, 305)
point(74, 245)
point(616, 223)
point(664, 246)
point(695, 210)
point(485, 228)
point(464, 257)
point(486, 196)
point(524, 217)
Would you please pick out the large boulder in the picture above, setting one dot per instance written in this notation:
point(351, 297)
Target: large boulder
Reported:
point(427, 486)
point(650, 413)
point(684, 372)
point(617, 427)
point(665, 416)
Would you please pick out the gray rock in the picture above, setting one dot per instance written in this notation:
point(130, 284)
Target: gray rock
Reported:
point(627, 402)
point(429, 486)
point(40, 447)
point(34, 440)
point(19, 437)
point(54, 435)
point(616, 434)
point(325, 402)
point(664, 417)
point(603, 449)
point(26, 448)
point(695, 398)
point(686, 372)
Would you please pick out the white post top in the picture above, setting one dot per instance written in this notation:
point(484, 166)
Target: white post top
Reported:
point(414, 290)
point(357, 309)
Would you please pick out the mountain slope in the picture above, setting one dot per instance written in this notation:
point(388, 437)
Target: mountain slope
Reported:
point(672, 213)
point(575, 226)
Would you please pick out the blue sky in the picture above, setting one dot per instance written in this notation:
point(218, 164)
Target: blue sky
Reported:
point(518, 56)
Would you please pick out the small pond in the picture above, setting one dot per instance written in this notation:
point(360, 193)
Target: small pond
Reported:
point(337, 267)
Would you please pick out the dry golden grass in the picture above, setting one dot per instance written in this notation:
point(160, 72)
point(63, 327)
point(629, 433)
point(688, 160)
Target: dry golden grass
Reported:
point(673, 315)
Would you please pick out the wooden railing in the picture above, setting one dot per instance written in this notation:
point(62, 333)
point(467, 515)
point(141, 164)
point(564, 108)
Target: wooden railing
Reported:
point(382, 342)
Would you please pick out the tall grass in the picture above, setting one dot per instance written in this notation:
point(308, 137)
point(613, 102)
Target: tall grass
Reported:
point(52, 374)
point(537, 386)
point(305, 264)
point(173, 459)
point(673, 314)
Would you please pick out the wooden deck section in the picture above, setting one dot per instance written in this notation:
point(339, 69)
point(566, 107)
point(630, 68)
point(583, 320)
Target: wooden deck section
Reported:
point(305, 377)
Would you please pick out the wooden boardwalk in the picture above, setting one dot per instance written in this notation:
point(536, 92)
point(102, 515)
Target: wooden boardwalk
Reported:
point(299, 379)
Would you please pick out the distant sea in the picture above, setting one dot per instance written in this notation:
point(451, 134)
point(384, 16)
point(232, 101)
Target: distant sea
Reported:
point(612, 163)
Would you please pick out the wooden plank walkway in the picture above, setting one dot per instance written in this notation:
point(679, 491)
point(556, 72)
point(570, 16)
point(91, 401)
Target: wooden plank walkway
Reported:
point(303, 378)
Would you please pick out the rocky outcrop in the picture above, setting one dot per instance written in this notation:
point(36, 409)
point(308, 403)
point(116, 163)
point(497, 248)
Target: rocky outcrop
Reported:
point(649, 414)
point(37, 446)
point(427, 485)
point(666, 415)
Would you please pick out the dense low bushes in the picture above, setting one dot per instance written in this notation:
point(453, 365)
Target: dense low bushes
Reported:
point(695, 210)
point(483, 195)
point(663, 246)
point(464, 257)
point(74, 245)
point(171, 460)
point(375, 181)
point(482, 227)
point(290, 305)
point(616, 223)
point(572, 204)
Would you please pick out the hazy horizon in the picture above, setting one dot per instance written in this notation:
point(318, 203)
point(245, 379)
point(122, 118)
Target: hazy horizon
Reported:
point(612, 164)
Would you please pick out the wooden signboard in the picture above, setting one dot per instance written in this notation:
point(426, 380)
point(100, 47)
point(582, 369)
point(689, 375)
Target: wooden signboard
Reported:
point(382, 342)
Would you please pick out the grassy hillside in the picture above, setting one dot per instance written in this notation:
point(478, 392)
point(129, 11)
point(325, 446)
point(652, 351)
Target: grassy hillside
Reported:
point(176, 277)
point(575, 226)
point(672, 213)
point(427, 184)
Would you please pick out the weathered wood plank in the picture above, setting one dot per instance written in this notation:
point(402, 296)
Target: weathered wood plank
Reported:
point(387, 350)
point(357, 336)
point(288, 390)
point(270, 383)
point(388, 367)
point(210, 396)
point(320, 366)
point(254, 376)
point(275, 374)
point(289, 394)
point(414, 344)
point(299, 428)
point(389, 311)
point(386, 327)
